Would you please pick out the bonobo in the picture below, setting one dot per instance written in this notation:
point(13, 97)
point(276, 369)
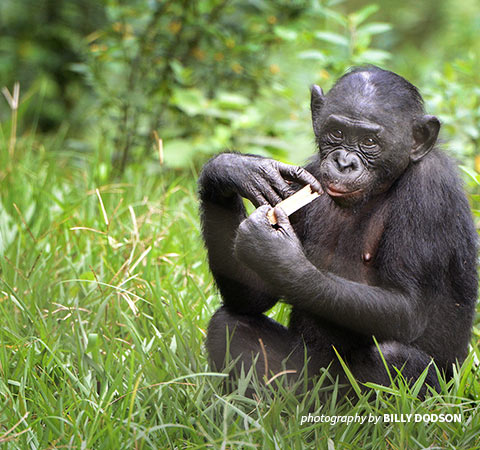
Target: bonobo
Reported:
point(387, 251)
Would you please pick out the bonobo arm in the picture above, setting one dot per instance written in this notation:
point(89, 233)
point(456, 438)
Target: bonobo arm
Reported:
point(277, 257)
point(223, 181)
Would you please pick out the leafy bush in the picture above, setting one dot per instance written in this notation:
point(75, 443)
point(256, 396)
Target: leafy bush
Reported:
point(204, 76)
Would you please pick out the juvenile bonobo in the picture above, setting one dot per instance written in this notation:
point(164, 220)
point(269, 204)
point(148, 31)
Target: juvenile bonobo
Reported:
point(388, 250)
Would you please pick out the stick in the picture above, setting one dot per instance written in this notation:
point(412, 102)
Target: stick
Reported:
point(293, 203)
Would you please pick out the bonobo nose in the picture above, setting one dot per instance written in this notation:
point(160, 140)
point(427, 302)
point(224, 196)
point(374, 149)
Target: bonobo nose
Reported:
point(346, 162)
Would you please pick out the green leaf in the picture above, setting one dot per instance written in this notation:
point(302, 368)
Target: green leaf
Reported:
point(471, 173)
point(359, 17)
point(472, 131)
point(182, 74)
point(372, 56)
point(8, 229)
point(337, 17)
point(250, 117)
point(312, 54)
point(232, 100)
point(93, 342)
point(79, 68)
point(374, 28)
point(190, 101)
point(219, 113)
point(332, 38)
point(269, 142)
point(348, 373)
point(287, 34)
point(88, 275)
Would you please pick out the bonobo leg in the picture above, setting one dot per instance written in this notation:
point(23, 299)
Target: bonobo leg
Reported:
point(368, 366)
point(232, 335)
point(246, 337)
point(241, 288)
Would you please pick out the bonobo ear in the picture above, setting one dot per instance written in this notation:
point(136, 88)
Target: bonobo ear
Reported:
point(425, 133)
point(316, 101)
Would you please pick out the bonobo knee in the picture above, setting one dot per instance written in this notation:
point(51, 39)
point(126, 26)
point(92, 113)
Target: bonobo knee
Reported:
point(217, 339)
point(410, 360)
point(249, 337)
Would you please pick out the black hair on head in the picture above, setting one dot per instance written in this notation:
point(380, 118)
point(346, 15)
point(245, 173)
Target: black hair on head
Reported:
point(387, 86)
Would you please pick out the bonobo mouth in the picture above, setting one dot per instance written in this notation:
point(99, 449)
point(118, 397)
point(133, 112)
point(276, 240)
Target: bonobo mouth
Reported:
point(335, 192)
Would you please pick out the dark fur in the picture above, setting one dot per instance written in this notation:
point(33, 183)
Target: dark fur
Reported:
point(415, 291)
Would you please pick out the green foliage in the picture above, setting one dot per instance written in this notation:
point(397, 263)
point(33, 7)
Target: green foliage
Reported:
point(105, 297)
point(187, 71)
point(455, 96)
point(128, 70)
point(38, 39)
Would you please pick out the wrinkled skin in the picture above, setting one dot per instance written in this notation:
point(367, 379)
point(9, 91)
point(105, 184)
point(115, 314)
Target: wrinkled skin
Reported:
point(260, 180)
point(363, 153)
point(387, 251)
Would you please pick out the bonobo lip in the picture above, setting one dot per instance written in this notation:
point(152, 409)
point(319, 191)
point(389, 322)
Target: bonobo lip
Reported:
point(335, 192)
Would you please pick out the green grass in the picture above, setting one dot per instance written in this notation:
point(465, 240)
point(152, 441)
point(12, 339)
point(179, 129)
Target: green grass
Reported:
point(103, 312)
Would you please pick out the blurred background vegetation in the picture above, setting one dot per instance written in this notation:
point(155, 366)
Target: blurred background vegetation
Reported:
point(202, 76)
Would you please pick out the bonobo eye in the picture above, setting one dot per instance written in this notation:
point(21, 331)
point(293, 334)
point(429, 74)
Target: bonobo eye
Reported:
point(337, 134)
point(368, 142)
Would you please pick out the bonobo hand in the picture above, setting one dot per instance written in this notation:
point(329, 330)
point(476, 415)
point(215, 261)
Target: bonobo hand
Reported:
point(262, 181)
point(268, 250)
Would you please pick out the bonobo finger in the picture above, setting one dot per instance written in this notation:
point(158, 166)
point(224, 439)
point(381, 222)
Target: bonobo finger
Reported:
point(282, 219)
point(262, 211)
point(272, 197)
point(283, 189)
point(264, 193)
point(260, 215)
point(300, 175)
point(258, 200)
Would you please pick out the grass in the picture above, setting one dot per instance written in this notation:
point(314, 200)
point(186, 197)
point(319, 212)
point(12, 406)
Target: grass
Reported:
point(105, 296)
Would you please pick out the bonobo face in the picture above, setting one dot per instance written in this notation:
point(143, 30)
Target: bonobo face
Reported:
point(368, 128)
point(359, 157)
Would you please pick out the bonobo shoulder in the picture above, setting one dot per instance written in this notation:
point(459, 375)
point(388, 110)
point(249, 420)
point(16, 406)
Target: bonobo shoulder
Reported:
point(432, 185)
point(429, 215)
point(429, 240)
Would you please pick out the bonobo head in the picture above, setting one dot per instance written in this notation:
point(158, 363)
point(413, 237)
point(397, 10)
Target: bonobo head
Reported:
point(369, 128)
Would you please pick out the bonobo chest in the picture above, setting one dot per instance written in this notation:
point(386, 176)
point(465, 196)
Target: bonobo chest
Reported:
point(343, 241)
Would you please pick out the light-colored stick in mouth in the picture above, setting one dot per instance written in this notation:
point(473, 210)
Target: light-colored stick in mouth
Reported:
point(293, 203)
